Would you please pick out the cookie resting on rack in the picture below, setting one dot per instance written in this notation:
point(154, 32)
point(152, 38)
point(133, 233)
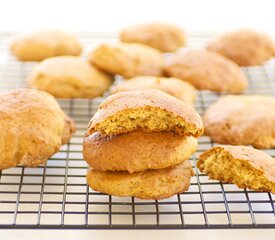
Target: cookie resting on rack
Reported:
point(173, 86)
point(162, 36)
point(40, 45)
point(242, 120)
point(69, 77)
point(33, 128)
point(149, 184)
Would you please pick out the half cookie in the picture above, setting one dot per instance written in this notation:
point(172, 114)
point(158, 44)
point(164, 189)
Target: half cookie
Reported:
point(150, 184)
point(244, 166)
point(149, 110)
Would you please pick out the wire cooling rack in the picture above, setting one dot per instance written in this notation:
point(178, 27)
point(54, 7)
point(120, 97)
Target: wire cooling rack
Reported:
point(56, 195)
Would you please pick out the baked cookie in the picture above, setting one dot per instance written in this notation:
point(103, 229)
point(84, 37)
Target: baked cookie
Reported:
point(69, 77)
point(33, 127)
point(244, 166)
point(37, 46)
point(173, 86)
point(242, 120)
point(207, 70)
point(144, 150)
point(127, 59)
point(150, 184)
point(148, 110)
point(162, 36)
point(244, 47)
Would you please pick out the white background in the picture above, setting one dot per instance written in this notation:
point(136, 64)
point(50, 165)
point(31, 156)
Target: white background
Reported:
point(111, 16)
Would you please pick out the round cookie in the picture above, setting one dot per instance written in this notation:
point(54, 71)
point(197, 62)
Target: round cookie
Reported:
point(148, 110)
point(244, 166)
point(162, 36)
point(37, 46)
point(144, 150)
point(150, 184)
point(207, 70)
point(242, 120)
point(33, 128)
point(244, 47)
point(69, 77)
point(173, 86)
point(127, 59)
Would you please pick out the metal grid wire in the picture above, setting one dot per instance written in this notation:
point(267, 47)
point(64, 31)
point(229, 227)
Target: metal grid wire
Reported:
point(56, 195)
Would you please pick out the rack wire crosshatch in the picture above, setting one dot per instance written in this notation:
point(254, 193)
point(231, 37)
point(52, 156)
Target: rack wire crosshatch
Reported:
point(56, 196)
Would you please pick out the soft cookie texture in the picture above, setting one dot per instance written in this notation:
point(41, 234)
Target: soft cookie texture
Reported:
point(137, 151)
point(244, 166)
point(127, 59)
point(37, 46)
point(162, 36)
point(33, 127)
point(148, 110)
point(69, 77)
point(150, 184)
point(207, 70)
point(242, 120)
point(244, 47)
point(173, 86)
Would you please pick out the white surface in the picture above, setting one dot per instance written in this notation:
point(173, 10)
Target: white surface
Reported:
point(138, 234)
point(106, 16)
point(110, 16)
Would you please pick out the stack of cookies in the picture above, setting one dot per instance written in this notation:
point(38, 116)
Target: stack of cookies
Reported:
point(138, 144)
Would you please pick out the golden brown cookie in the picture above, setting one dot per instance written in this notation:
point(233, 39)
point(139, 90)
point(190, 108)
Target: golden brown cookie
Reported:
point(162, 36)
point(37, 46)
point(207, 70)
point(137, 151)
point(150, 184)
point(148, 110)
point(242, 120)
point(244, 47)
point(127, 59)
point(69, 77)
point(173, 86)
point(244, 166)
point(33, 127)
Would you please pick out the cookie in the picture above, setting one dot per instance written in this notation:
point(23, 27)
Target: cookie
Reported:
point(33, 127)
point(37, 46)
point(244, 47)
point(148, 110)
point(242, 120)
point(173, 86)
point(144, 150)
point(69, 77)
point(150, 184)
point(162, 36)
point(244, 166)
point(207, 70)
point(127, 59)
